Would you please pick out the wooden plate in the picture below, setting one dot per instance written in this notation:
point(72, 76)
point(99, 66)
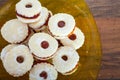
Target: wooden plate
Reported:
point(90, 53)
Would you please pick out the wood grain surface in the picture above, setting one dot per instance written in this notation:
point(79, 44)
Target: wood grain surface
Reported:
point(104, 8)
point(107, 16)
point(109, 29)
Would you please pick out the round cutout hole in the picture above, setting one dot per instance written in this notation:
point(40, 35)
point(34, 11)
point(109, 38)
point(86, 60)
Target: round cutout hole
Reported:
point(20, 59)
point(44, 44)
point(64, 57)
point(61, 24)
point(72, 37)
point(43, 74)
point(28, 5)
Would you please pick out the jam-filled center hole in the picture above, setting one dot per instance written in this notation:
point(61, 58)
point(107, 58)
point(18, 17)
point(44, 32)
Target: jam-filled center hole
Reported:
point(20, 59)
point(64, 57)
point(28, 5)
point(44, 44)
point(43, 74)
point(61, 24)
point(72, 37)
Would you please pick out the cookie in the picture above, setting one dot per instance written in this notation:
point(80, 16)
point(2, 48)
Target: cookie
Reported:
point(28, 11)
point(43, 71)
point(66, 60)
point(75, 40)
point(18, 61)
point(44, 17)
point(43, 46)
point(5, 50)
point(14, 31)
point(61, 25)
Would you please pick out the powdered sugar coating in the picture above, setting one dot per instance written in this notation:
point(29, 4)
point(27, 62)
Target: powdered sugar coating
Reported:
point(78, 42)
point(17, 69)
point(70, 63)
point(14, 31)
point(43, 17)
point(35, 45)
point(5, 50)
point(39, 68)
point(64, 31)
point(31, 11)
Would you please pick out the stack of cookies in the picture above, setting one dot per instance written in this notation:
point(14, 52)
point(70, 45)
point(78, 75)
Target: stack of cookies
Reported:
point(35, 37)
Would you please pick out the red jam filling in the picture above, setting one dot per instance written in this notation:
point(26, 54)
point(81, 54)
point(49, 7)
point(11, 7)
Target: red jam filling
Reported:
point(33, 17)
point(65, 58)
point(44, 44)
point(72, 37)
point(20, 59)
point(61, 24)
point(43, 74)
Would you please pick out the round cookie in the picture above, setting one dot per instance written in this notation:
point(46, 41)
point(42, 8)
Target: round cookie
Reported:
point(43, 18)
point(5, 50)
point(43, 46)
point(43, 71)
point(61, 25)
point(75, 40)
point(18, 61)
point(68, 57)
point(28, 11)
point(14, 31)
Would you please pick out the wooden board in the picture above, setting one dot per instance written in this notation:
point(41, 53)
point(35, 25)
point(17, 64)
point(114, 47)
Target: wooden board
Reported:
point(104, 8)
point(107, 16)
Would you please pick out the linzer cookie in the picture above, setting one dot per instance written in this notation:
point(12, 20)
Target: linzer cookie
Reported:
point(75, 40)
point(38, 37)
point(43, 46)
point(44, 17)
point(61, 25)
point(14, 31)
point(18, 61)
point(68, 57)
point(5, 50)
point(43, 71)
point(28, 11)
